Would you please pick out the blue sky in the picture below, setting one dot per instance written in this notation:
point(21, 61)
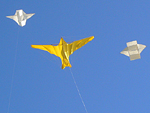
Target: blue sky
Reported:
point(108, 81)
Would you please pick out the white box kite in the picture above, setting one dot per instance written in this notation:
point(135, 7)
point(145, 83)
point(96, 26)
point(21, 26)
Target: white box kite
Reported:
point(133, 50)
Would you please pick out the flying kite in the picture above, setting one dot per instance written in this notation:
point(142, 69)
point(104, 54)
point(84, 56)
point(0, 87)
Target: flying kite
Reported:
point(21, 17)
point(64, 49)
point(133, 50)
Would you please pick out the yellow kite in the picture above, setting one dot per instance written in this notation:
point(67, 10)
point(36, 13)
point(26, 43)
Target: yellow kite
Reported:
point(64, 49)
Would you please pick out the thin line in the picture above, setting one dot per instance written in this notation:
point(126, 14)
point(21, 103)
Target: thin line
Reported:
point(56, 61)
point(78, 91)
point(12, 78)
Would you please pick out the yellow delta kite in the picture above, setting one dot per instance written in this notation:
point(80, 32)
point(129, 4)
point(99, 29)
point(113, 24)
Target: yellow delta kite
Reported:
point(63, 49)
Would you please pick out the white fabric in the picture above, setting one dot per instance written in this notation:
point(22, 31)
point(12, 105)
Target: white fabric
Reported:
point(20, 17)
point(133, 50)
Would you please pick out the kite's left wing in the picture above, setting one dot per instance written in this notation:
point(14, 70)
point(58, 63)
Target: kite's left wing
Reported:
point(39, 47)
point(56, 50)
point(125, 51)
point(14, 17)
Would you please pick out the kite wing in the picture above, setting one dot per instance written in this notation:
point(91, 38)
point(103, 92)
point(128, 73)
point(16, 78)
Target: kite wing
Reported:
point(79, 43)
point(125, 51)
point(14, 17)
point(141, 47)
point(56, 50)
point(51, 49)
point(30, 15)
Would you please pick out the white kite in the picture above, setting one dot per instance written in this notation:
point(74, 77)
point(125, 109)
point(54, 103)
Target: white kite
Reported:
point(133, 50)
point(21, 17)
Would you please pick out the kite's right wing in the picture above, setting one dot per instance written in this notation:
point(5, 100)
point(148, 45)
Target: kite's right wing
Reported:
point(79, 43)
point(141, 47)
point(29, 15)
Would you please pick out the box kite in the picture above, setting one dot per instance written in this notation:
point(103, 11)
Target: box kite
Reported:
point(20, 17)
point(133, 50)
point(63, 49)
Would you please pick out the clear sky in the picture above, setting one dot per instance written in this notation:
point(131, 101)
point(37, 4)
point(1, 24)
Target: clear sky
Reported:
point(108, 81)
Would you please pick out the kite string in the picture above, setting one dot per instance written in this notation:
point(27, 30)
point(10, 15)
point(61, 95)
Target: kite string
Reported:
point(78, 91)
point(12, 78)
point(51, 60)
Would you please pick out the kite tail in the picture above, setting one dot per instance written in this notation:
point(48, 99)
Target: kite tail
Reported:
point(65, 63)
point(12, 78)
point(78, 91)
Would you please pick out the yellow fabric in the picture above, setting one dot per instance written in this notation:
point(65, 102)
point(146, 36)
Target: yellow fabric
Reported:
point(63, 49)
